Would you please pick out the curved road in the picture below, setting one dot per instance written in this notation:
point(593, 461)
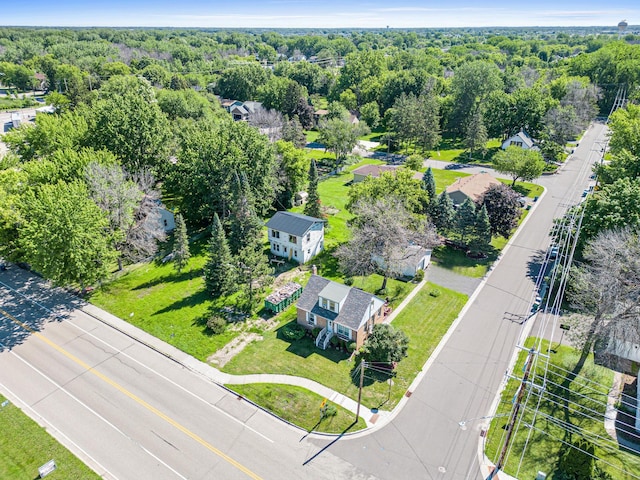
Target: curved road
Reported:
point(130, 412)
point(425, 440)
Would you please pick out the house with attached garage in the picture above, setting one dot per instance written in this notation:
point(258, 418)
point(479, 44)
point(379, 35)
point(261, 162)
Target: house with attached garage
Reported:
point(295, 236)
point(338, 310)
point(472, 187)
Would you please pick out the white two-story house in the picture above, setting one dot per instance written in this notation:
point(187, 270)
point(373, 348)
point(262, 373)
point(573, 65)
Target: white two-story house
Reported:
point(295, 236)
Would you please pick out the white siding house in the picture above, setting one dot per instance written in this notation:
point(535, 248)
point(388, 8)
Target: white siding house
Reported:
point(295, 236)
point(410, 259)
point(167, 220)
point(520, 139)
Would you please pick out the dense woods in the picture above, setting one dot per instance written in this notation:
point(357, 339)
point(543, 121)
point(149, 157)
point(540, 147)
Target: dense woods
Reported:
point(142, 106)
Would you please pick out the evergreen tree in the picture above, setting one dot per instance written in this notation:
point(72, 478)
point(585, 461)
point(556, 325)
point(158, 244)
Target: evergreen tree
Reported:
point(180, 252)
point(476, 134)
point(313, 207)
point(429, 184)
point(464, 221)
point(442, 213)
point(243, 221)
point(253, 268)
point(480, 239)
point(219, 273)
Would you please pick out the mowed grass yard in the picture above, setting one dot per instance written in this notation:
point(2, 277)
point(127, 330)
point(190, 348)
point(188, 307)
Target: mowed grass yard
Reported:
point(425, 320)
point(25, 446)
point(585, 398)
point(299, 406)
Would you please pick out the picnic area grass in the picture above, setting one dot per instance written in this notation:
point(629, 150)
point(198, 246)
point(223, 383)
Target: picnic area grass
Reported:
point(425, 320)
point(581, 402)
point(299, 406)
point(25, 446)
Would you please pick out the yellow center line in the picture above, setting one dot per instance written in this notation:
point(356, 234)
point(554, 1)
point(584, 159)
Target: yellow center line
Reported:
point(134, 397)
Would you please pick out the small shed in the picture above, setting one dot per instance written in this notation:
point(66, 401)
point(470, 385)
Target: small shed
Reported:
point(283, 297)
point(301, 198)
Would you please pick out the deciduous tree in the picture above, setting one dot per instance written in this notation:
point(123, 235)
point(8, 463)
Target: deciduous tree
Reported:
point(503, 207)
point(386, 344)
point(519, 164)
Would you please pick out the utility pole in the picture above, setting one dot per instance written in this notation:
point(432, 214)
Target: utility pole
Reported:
point(362, 367)
point(514, 415)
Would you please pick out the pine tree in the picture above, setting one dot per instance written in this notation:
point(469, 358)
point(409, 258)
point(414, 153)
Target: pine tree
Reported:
point(464, 221)
point(429, 184)
point(219, 271)
point(476, 134)
point(180, 252)
point(313, 207)
point(480, 240)
point(442, 213)
point(243, 222)
point(253, 269)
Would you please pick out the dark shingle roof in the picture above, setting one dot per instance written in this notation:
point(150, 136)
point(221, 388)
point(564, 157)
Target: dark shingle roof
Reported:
point(293, 223)
point(352, 312)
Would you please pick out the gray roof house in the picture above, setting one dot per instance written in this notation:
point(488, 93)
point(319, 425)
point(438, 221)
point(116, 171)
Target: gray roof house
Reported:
point(338, 310)
point(295, 236)
point(520, 139)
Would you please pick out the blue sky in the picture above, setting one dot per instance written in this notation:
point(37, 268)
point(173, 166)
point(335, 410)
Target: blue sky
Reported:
point(315, 13)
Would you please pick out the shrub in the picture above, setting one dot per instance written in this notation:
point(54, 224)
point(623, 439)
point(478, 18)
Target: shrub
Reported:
point(334, 341)
point(330, 411)
point(315, 332)
point(419, 276)
point(348, 281)
point(352, 347)
point(216, 324)
point(435, 292)
point(293, 331)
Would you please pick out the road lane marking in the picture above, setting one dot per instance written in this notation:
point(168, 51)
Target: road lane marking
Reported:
point(121, 352)
point(16, 400)
point(72, 396)
point(134, 397)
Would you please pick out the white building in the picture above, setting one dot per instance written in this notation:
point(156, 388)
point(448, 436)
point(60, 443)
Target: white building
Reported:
point(409, 260)
point(520, 139)
point(295, 236)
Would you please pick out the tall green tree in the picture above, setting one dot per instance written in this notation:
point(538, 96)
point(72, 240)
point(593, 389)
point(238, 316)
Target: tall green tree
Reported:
point(464, 222)
point(219, 271)
point(241, 82)
point(429, 183)
point(400, 183)
point(313, 207)
point(442, 212)
point(386, 344)
point(340, 137)
point(293, 168)
point(475, 137)
point(480, 239)
point(128, 122)
point(415, 120)
point(244, 223)
point(181, 253)
point(519, 164)
point(64, 234)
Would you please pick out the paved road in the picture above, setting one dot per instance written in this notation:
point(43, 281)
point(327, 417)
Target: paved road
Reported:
point(425, 440)
point(131, 413)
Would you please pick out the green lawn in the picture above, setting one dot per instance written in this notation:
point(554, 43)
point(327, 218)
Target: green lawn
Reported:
point(25, 446)
point(424, 320)
point(312, 135)
point(299, 406)
point(545, 451)
point(166, 304)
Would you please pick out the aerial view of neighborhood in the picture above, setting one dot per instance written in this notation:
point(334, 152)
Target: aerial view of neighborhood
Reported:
point(295, 239)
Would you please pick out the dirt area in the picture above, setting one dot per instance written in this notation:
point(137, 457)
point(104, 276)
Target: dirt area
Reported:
point(231, 349)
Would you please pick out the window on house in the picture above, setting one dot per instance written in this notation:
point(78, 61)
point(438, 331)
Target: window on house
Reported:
point(293, 239)
point(308, 237)
point(295, 253)
point(342, 330)
point(311, 318)
point(277, 247)
point(165, 223)
point(285, 249)
point(275, 234)
point(332, 306)
point(324, 303)
point(517, 144)
point(308, 251)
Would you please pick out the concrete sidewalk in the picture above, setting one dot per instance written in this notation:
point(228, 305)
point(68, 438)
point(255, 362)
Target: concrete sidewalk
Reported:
point(221, 378)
